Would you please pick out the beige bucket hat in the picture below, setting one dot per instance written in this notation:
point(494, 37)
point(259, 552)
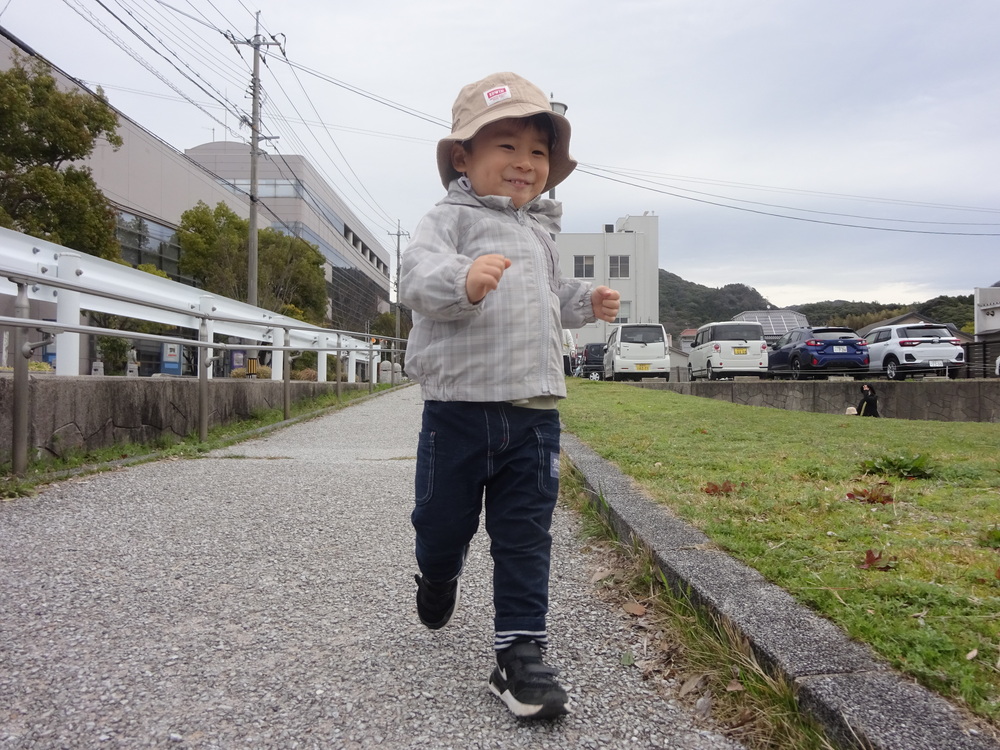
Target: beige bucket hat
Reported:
point(496, 97)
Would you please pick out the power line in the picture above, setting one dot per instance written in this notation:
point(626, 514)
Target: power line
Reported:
point(809, 210)
point(785, 216)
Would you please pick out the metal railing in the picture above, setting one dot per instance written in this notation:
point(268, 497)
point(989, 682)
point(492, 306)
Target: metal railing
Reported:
point(94, 284)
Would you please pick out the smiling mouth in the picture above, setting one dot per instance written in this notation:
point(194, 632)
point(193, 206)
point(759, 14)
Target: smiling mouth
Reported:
point(520, 183)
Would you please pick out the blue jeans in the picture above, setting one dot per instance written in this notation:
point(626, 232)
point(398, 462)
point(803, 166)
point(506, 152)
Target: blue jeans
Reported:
point(512, 454)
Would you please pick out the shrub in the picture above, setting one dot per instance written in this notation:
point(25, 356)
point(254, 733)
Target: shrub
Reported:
point(263, 372)
point(908, 467)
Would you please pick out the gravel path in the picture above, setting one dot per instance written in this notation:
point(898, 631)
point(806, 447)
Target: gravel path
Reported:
point(263, 597)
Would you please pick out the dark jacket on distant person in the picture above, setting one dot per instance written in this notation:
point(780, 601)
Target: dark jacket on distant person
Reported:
point(868, 406)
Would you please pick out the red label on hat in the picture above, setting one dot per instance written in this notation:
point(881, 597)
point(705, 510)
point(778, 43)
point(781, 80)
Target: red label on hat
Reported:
point(499, 94)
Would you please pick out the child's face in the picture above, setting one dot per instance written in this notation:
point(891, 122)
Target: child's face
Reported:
point(506, 158)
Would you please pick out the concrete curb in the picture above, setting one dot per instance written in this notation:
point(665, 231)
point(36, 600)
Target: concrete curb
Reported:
point(856, 697)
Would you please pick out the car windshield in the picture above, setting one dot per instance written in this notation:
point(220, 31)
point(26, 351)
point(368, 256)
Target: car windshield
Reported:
point(838, 334)
point(918, 332)
point(737, 332)
point(642, 335)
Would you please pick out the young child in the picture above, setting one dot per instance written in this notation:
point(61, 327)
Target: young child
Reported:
point(482, 278)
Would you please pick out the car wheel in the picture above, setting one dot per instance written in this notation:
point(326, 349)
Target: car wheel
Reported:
point(892, 369)
point(795, 366)
point(691, 377)
point(952, 372)
point(595, 376)
point(711, 373)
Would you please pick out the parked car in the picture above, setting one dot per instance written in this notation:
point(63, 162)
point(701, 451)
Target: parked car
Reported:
point(901, 350)
point(592, 361)
point(635, 351)
point(817, 352)
point(727, 349)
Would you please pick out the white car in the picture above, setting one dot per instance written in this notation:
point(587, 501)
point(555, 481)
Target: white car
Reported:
point(636, 351)
point(727, 349)
point(926, 348)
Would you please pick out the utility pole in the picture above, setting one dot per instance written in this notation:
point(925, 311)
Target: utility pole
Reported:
point(395, 344)
point(397, 234)
point(255, 137)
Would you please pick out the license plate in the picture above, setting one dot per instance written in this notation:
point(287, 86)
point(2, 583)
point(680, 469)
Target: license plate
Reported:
point(642, 367)
point(740, 350)
point(937, 363)
point(840, 350)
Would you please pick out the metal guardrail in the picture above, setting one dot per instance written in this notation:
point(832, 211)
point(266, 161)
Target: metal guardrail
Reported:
point(96, 284)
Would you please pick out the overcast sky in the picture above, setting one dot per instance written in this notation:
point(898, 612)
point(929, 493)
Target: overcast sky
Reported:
point(754, 130)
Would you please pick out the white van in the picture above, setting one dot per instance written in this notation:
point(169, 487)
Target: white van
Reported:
point(727, 349)
point(635, 351)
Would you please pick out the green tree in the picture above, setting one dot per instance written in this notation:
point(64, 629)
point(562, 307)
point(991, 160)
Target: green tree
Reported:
point(43, 130)
point(290, 276)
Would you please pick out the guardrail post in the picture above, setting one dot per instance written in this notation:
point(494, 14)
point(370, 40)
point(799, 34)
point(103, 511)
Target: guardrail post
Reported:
point(68, 312)
point(286, 377)
point(205, 360)
point(338, 365)
point(19, 432)
point(321, 358)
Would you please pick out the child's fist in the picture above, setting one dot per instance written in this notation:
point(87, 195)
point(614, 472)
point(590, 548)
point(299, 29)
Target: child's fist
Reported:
point(606, 303)
point(484, 276)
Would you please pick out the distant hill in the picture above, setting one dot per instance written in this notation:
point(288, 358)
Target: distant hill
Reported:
point(684, 304)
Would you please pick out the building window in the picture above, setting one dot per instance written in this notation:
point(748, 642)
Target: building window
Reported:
point(624, 312)
point(618, 267)
point(583, 266)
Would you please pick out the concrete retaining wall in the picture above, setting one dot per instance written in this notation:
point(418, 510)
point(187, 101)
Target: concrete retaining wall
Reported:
point(86, 413)
point(937, 400)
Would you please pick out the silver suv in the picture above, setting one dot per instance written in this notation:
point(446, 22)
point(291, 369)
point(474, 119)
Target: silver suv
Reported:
point(927, 348)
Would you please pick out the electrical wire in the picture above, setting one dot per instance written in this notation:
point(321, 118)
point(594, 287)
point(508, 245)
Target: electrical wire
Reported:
point(786, 216)
point(93, 21)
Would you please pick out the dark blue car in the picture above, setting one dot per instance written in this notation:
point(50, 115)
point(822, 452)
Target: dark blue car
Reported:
point(817, 352)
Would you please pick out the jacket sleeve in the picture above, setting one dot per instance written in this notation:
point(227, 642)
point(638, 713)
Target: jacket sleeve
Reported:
point(575, 306)
point(433, 272)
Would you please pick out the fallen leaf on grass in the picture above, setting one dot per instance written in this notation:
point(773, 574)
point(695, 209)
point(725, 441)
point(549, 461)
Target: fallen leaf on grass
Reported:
point(691, 684)
point(972, 654)
point(601, 574)
point(745, 717)
point(634, 608)
point(873, 560)
point(734, 686)
point(726, 488)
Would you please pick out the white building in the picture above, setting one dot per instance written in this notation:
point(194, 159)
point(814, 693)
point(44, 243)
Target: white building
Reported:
point(151, 184)
point(625, 256)
point(303, 204)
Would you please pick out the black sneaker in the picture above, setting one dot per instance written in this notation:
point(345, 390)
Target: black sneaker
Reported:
point(526, 685)
point(436, 602)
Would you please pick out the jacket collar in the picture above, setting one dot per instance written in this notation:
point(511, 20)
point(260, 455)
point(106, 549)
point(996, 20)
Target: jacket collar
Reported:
point(546, 212)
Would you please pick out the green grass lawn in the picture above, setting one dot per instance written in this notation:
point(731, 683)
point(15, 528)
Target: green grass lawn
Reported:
point(803, 497)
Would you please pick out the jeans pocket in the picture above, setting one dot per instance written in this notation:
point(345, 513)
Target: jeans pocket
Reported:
point(425, 467)
point(548, 462)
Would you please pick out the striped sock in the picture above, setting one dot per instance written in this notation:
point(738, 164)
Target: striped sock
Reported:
point(507, 637)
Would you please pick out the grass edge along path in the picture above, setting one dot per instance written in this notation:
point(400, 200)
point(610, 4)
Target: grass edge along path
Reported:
point(886, 527)
point(712, 667)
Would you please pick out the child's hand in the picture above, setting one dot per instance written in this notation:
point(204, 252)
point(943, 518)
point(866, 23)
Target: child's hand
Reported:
point(484, 276)
point(606, 303)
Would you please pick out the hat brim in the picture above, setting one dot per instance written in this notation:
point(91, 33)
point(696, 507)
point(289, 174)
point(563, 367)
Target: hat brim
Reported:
point(561, 164)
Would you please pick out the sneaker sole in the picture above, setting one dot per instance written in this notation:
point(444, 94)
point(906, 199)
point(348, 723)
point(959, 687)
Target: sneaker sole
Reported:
point(527, 710)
